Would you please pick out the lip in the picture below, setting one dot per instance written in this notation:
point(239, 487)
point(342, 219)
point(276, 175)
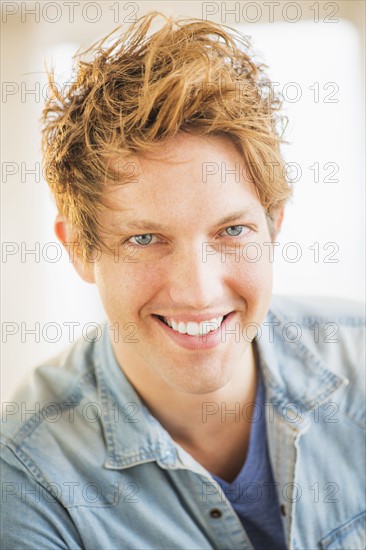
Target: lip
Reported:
point(206, 341)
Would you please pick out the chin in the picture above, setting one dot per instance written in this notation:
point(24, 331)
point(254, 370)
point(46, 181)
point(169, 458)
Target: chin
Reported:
point(203, 381)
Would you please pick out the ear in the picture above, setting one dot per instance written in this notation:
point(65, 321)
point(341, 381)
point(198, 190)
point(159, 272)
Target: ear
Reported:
point(66, 236)
point(278, 220)
point(275, 222)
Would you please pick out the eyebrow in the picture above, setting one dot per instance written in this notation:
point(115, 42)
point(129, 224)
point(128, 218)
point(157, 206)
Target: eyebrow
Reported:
point(144, 224)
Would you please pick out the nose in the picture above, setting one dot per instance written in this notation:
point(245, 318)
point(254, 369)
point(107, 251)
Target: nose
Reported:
point(195, 282)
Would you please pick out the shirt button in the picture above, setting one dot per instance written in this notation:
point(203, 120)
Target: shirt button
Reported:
point(215, 513)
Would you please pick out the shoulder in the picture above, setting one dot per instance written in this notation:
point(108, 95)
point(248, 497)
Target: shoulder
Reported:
point(25, 495)
point(332, 329)
point(48, 390)
point(318, 321)
point(309, 309)
point(52, 412)
point(322, 340)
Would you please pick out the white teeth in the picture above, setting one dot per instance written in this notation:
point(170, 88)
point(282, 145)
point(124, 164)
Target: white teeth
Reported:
point(195, 329)
point(182, 328)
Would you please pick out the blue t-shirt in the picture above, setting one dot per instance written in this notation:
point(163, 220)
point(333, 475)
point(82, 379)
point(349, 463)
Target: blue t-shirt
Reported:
point(252, 494)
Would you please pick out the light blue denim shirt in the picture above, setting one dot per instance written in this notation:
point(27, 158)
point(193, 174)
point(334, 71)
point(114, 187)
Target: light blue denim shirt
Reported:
point(85, 465)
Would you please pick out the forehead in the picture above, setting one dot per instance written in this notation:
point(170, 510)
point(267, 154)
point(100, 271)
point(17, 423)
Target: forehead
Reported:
point(201, 156)
point(190, 177)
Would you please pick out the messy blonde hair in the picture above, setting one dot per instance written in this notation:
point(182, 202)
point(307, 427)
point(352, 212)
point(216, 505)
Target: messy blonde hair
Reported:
point(135, 91)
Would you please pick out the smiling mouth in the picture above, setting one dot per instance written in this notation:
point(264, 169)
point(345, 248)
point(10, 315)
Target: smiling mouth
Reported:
point(192, 328)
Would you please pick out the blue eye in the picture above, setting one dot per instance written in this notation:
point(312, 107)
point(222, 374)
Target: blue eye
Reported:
point(147, 238)
point(143, 240)
point(235, 230)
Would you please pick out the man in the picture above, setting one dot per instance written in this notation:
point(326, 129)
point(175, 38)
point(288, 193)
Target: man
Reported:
point(205, 414)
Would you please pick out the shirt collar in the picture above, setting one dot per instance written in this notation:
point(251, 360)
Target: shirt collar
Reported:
point(292, 373)
point(132, 434)
point(293, 369)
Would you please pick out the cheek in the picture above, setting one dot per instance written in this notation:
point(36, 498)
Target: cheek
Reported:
point(125, 287)
point(253, 279)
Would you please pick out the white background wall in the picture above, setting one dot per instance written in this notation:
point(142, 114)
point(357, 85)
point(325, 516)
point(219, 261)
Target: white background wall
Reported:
point(306, 52)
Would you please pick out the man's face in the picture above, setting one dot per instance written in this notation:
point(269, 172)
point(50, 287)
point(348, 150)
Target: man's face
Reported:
point(184, 230)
